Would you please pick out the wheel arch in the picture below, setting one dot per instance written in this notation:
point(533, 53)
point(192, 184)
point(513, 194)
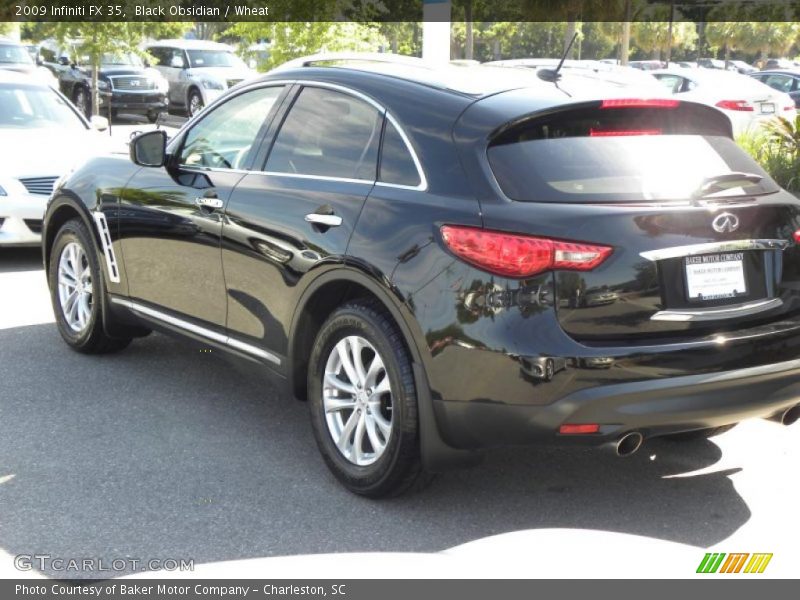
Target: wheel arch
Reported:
point(319, 299)
point(63, 209)
point(323, 296)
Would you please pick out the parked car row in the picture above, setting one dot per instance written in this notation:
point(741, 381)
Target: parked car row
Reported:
point(185, 75)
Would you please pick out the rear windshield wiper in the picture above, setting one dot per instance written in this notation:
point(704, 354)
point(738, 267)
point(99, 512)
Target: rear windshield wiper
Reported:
point(726, 181)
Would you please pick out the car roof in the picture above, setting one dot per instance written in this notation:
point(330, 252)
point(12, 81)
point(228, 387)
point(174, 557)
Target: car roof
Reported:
point(503, 93)
point(474, 81)
point(794, 72)
point(189, 45)
point(8, 42)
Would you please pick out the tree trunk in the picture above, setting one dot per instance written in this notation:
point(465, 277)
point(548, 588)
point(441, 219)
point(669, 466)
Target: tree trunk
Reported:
point(669, 34)
point(496, 50)
point(625, 45)
point(469, 49)
point(95, 95)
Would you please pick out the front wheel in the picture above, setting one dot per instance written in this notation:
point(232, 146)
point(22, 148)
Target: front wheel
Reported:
point(195, 103)
point(363, 401)
point(76, 289)
point(81, 102)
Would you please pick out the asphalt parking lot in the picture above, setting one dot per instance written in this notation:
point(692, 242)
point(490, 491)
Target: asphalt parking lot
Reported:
point(164, 451)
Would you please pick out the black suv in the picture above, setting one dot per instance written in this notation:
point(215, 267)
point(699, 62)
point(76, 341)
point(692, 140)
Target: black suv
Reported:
point(125, 85)
point(399, 244)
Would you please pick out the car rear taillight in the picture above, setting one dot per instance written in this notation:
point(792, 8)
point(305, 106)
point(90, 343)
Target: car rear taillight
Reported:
point(621, 132)
point(741, 105)
point(515, 255)
point(639, 103)
point(790, 107)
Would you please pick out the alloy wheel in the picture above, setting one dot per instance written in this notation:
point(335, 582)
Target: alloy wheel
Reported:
point(195, 105)
point(357, 399)
point(75, 287)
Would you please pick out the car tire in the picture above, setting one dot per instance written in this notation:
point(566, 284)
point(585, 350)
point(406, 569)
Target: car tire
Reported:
point(194, 103)
point(74, 272)
point(700, 434)
point(372, 462)
point(80, 99)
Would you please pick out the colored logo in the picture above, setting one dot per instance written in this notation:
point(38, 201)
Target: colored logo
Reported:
point(741, 562)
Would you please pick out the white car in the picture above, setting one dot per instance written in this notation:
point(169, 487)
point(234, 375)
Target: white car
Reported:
point(43, 136)
point(198, 71)
point(16, 57)
point(593, 69)
point(747, 103)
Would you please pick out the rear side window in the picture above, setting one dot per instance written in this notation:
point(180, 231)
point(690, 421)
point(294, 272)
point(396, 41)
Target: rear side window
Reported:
point(328, 134)
point(612, 152)
point(397, 166)
point(782, 83)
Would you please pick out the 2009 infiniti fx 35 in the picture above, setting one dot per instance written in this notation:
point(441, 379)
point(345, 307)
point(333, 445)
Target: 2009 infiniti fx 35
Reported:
point(441, 261)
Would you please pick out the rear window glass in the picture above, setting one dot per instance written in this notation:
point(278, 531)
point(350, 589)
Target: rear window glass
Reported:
point(620, 154)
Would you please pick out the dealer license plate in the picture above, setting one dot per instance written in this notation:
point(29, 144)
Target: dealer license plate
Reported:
point(715, 276)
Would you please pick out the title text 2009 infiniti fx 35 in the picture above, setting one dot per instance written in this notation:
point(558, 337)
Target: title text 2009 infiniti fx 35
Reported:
point(445, 261)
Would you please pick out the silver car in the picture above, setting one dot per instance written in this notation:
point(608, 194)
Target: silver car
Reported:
point(198, 71)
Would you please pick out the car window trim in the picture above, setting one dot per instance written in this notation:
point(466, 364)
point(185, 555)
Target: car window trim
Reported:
point(423, 186)
point(261, 134)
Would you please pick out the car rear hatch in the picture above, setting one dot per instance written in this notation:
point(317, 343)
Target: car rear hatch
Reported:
point(700, 238)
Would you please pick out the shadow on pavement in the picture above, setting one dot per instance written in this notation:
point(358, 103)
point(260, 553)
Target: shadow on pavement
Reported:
point(165, 451)
point(20, 259)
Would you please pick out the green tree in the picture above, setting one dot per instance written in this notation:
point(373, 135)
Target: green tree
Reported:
point(654, 36)
point(300, 38)
point(769, 37)
point(7, 28)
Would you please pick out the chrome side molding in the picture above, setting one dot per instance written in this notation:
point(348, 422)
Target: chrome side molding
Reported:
point(219, 338)
point(105, 241)
point(712, 247)
point(720, 312)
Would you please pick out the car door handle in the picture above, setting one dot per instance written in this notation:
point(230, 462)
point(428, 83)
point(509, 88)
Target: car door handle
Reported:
point(325, 220)
point(212, 203)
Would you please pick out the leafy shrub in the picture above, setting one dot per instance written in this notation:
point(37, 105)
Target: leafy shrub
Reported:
point(776, 147)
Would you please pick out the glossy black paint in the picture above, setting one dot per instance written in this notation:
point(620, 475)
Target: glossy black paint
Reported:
point(257, 271)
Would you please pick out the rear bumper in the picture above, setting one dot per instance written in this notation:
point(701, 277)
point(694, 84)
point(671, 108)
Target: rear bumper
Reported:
point(652, 407)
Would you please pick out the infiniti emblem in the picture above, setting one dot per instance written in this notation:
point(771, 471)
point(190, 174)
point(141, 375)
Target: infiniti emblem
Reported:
point(725, 223)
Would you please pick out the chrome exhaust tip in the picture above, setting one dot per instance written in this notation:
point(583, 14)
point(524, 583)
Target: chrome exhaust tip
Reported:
point(628, 444)
point(787, 417)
